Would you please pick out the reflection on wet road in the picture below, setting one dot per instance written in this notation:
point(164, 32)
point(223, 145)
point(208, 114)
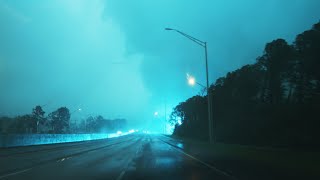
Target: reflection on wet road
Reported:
point(137, 156)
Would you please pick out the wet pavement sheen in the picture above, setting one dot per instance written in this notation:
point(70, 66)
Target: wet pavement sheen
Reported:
point(136, 156)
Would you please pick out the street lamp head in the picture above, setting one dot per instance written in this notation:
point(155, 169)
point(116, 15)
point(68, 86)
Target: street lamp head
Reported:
point(169, 29)
point(191, 81)
point(156, 113)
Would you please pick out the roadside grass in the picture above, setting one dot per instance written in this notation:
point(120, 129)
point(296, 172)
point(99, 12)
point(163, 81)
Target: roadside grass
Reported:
point(287, 160)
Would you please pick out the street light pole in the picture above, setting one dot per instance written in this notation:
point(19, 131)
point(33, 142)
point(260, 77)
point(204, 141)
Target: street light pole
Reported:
point(208, 97)
point(204, 45)
point(165, 117)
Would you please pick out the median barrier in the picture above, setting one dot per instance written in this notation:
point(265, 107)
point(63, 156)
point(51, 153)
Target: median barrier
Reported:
point(13, 140)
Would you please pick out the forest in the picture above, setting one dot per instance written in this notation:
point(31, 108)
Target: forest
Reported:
point(273, 102)
point(58, 122)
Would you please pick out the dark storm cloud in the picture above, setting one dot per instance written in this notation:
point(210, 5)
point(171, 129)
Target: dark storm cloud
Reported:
point(64, 53)
point(114, 58)
point(236, 32)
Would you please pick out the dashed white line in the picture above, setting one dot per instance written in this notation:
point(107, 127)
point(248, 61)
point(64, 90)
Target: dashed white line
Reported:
point(121, 175)
point(15, 173)
point(63, 159)
point(127, 167)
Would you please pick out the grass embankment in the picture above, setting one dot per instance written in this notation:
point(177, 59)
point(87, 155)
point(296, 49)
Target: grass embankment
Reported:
point(288, 160)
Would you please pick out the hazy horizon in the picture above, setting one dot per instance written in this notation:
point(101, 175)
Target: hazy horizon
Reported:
point(114, 58)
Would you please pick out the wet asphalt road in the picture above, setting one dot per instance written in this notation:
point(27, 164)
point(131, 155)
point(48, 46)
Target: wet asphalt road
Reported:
point(136, 156)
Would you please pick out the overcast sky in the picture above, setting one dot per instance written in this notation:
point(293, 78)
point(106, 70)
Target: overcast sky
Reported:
point(113, 57)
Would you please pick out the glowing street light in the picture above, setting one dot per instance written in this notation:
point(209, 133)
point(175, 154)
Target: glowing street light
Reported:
point(204, 45)
point(191, 81)
point(156, 113)
point(77, 110)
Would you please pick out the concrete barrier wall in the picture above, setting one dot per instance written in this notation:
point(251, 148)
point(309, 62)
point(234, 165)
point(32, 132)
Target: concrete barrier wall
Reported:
point(12, 140)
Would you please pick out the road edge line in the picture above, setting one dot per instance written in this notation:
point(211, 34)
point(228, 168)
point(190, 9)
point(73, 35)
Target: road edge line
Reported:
point(15, 173)
point(201, 162)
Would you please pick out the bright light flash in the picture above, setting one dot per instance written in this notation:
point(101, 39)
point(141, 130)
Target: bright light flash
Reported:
point(191, 80)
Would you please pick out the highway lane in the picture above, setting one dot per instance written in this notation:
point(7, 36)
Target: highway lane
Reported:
point(17, 159)
point(136, 156)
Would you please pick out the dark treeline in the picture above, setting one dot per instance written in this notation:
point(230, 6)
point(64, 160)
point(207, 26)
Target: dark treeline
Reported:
point(273, 102)
point(58, 122)
point(99, 124)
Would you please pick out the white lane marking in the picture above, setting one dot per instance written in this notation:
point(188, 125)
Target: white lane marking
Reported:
point(206, 164)
point(121, 175)
point(128, 167)
point(60, 160)
point(15, 173)
point(63, 159)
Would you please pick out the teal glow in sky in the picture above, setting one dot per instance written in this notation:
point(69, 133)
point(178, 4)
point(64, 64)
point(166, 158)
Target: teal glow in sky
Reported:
point(113, 57)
